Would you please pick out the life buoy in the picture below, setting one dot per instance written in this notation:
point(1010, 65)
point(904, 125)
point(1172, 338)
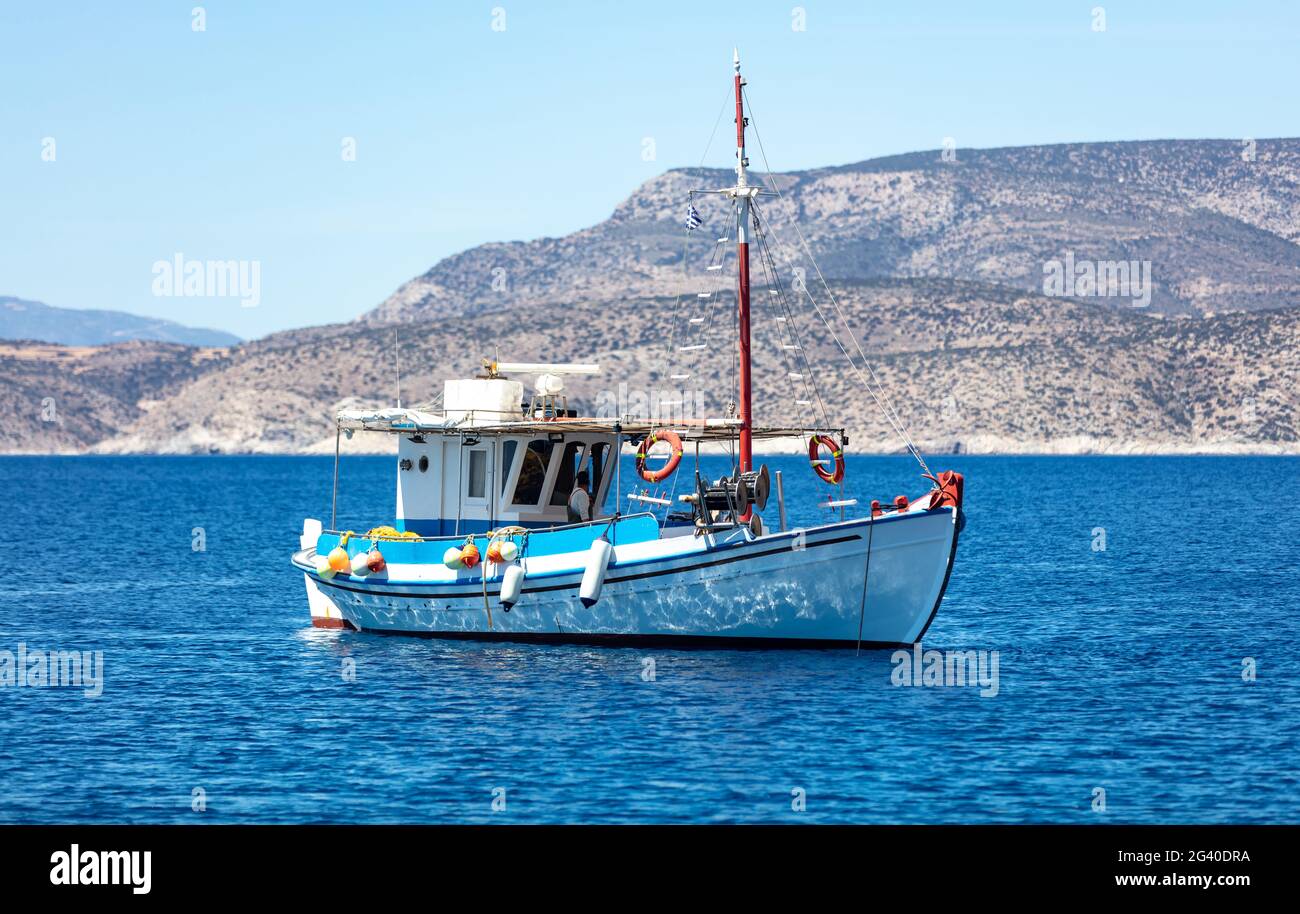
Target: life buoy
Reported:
point(814, 457)
point(659, 434)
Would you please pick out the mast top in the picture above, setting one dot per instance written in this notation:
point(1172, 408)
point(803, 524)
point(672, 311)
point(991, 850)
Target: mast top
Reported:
point(741, 161)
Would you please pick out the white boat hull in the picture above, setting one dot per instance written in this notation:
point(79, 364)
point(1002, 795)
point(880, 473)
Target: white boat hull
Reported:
point(877, 583)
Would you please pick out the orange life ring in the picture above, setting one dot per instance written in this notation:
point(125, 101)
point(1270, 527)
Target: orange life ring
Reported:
point(659, 434)
point(814, 457)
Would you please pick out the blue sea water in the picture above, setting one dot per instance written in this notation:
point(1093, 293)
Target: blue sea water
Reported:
point(1119, 669)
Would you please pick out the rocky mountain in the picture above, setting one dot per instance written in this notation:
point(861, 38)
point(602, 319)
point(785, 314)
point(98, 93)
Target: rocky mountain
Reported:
point(971, 367)
point(21, 319)
point(67, 399)
point(1217, 220)
point(938, 268)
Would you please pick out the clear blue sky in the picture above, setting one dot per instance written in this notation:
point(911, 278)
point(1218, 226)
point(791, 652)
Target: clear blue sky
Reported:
point(226, 143)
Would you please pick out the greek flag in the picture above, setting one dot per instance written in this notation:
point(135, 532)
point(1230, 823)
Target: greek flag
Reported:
point(693, 220)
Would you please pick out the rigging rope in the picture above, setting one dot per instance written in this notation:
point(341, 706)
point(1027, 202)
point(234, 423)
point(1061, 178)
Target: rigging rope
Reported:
point(686, 241)
point(809, 378)
point(881, 399)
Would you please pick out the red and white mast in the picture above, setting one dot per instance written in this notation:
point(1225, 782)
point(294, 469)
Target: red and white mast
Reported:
point(742, 193)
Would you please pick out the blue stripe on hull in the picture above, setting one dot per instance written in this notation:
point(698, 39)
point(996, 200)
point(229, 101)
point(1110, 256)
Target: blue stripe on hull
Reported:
point(617, 573)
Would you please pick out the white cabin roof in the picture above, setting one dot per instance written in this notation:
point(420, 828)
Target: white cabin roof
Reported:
point(412, 421)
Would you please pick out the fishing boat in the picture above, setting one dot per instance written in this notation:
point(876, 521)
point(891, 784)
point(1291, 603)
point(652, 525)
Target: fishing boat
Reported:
point(486, 542)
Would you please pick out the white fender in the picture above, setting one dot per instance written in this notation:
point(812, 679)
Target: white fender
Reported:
point(511, 584)
point(593, 577)
point(359, 567)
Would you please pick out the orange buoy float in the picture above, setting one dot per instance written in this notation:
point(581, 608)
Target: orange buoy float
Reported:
point(375, 561)
point(659, 434)
point(339, 561)
point(815, 444)
point(502, 552)
point(469, 555)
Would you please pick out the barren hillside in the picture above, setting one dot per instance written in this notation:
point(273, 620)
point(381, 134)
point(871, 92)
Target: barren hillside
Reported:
point(939, 267)
point(1220, 231)
point(970, 367)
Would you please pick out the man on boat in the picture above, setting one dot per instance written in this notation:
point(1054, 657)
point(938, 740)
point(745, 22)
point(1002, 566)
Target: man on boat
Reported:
point(580, 499)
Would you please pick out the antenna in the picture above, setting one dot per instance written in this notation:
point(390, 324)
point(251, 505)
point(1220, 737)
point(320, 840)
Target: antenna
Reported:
point(397, 363)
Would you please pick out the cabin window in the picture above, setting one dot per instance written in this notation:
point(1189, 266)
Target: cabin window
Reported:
point(532, 472)
point(477, 474)
point(508, 449)
point(599, 452)
point(568, 472)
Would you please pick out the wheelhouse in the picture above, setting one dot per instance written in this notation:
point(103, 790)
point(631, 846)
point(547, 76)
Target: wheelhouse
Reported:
point(487, 459)
point(471, 481)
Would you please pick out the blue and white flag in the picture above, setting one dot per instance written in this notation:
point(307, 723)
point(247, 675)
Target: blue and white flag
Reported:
point(693, 220)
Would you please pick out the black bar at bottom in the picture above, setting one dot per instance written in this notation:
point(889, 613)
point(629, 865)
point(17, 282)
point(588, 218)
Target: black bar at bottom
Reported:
point(332, 862)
